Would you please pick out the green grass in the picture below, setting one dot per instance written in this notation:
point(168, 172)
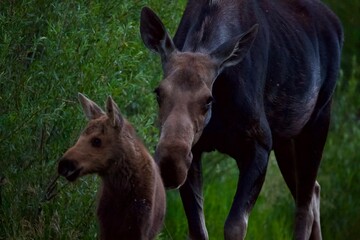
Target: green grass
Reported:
point(51, 50)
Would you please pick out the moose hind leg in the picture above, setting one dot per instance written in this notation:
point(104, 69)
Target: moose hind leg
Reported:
point(285, 157)
point(309, 145)
point(307, 222)
point(315, 206)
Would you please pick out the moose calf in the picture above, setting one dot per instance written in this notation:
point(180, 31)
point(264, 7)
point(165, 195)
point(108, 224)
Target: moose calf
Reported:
point(132, 196)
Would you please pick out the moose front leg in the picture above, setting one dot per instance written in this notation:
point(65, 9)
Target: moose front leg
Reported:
point(192, 198)
point(252, 165)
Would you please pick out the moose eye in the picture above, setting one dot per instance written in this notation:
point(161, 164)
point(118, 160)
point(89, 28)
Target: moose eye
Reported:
point(96, 142)
point(209, 102)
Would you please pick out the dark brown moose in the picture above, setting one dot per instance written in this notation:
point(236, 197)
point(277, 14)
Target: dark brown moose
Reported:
point(132, 196)
point(245, 78)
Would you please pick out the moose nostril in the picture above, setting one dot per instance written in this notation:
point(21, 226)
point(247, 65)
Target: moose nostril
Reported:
point(65, 166)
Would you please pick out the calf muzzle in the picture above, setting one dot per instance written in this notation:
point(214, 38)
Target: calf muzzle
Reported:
point(68, 169)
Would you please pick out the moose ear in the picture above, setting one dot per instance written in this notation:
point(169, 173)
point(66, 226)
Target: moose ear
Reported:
point(155, 35)
point(233, 51)
point(91, 109)
point(113, 113)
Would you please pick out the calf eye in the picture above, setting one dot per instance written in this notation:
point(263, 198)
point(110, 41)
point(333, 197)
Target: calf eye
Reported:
point(96, 142)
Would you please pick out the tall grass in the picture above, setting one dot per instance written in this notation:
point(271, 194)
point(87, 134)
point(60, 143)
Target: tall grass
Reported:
point(51, 50)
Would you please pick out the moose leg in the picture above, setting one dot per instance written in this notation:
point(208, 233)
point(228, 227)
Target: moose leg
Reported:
point(285, 156)
point(252, 175)
point(309, 146)
point(192, 198)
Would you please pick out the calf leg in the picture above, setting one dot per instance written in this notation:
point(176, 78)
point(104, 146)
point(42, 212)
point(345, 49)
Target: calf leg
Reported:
point(192, 198)
point(252, 174)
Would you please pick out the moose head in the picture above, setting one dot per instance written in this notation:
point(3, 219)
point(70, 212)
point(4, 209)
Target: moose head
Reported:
point(185, 93)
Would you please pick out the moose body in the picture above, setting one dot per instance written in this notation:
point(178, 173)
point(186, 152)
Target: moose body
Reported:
point(132, 196)
point(246, 77)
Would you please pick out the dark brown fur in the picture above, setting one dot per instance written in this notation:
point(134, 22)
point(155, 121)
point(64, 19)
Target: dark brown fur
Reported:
point(245, 78)
point(132, 197)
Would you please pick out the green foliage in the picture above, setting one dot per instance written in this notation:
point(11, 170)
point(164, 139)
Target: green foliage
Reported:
point(351, 25)
point(51, 50)
point(339, 172)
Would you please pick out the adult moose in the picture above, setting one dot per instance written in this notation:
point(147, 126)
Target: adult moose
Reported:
point(246, 77)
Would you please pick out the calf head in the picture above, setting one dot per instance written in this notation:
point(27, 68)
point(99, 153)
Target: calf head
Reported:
point(98, 145)
point(185, 94)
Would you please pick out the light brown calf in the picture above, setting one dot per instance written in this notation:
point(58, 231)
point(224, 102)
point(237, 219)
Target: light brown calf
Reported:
point(132, 196)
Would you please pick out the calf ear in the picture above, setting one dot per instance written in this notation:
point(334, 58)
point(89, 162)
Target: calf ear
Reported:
point(154, 34)
point(113, 113)
point(233, 51)
point(91, 109)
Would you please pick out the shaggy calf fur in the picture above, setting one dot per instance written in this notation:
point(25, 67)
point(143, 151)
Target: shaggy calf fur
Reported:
point(132, 196)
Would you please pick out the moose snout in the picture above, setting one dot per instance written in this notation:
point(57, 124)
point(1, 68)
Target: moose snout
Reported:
point(69, 169)
point(174, 163)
